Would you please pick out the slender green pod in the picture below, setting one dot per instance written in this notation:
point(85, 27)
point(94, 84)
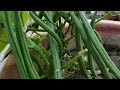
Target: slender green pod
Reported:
point(54, 51)
point(79, 47)
point(91, 65)
point(93, 19)
point(92, 23)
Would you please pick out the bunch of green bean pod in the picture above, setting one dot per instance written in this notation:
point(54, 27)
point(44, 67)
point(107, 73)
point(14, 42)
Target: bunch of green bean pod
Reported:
point(99, 47)
point(15, 46)
point(51, 66)
point(53, 39)
point(90, 46)
point(19, 46)
point(95, 47)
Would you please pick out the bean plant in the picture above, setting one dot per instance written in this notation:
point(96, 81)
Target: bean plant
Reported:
point(55, 60)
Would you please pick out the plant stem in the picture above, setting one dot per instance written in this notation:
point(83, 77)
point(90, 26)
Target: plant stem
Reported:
point(105, 16)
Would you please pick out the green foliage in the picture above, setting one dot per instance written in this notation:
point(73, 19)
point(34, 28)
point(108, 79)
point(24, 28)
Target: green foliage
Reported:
point(3, 39)
point(51, 59)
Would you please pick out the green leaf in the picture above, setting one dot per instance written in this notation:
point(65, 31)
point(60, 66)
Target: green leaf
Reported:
point(25, 16)
point(3, 39)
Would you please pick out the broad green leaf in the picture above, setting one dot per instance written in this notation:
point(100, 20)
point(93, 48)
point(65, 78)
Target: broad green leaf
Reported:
point(3, 35)
point(25, 16)
point(3, 39)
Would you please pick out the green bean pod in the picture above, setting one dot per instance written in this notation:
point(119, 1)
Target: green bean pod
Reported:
point(54, 52)
point(79, 47)
point(91, 65)
point(93, 20)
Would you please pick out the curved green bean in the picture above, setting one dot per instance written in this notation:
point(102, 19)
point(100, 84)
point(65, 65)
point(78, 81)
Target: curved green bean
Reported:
point(49, 30)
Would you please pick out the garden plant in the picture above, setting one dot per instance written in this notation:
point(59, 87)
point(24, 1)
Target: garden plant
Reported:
point(55, 59)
